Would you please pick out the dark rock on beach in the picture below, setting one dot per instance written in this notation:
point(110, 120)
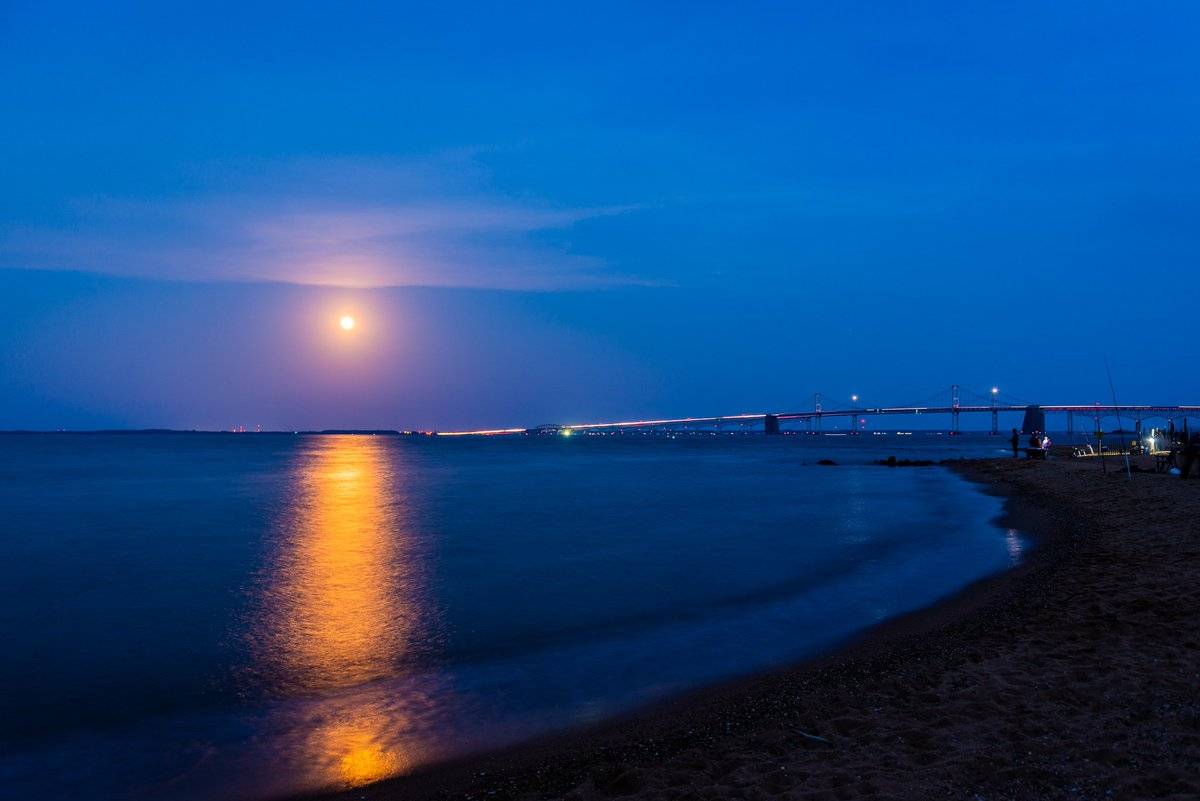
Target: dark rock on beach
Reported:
point(892, 461)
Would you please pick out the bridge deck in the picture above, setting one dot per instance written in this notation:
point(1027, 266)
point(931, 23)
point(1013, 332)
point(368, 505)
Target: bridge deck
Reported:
point(1092, 410)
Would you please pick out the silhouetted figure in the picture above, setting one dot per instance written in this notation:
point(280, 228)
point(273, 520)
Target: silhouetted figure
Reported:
point(1191, 453)
point(1016, 444)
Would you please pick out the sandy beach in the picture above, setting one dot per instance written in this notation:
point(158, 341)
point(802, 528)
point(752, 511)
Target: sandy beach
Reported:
point(1075, 675)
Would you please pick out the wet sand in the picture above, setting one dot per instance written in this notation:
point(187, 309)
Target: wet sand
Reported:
point(1075, 675)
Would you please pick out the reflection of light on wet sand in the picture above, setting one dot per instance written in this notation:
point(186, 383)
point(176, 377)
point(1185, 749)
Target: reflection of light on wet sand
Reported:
point(354, 752)
point(1012, 538)
point(342, 612)
point(364, 761)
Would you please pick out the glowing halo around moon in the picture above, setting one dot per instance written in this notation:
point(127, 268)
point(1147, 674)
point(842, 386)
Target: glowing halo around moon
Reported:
point(347, 322)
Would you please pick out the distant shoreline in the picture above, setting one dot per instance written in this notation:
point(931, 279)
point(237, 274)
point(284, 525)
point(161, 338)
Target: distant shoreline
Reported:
point(1067, 676)
point(391, 432)
point(337, 431)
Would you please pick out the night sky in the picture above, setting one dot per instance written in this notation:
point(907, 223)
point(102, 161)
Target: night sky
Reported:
point(545, 213)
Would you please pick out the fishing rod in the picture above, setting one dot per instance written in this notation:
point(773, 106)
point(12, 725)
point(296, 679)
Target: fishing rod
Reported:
point(1120, 425)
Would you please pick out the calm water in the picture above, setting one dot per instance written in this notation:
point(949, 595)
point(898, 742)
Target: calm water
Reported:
point(221, 616)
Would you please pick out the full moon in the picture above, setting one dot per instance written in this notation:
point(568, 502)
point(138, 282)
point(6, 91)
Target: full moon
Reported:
point(347, 322)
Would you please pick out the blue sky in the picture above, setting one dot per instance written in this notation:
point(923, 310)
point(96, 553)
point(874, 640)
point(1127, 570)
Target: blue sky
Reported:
point(553, 213)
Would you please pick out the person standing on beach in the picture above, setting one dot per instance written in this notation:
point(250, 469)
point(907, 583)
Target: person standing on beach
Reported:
point(1016, 444)
point(1191, 453)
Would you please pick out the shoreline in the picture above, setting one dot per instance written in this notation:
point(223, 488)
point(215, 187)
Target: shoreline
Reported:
point(937, 701)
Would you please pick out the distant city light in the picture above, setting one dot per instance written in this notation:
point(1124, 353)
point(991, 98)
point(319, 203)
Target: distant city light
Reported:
point(566, 432)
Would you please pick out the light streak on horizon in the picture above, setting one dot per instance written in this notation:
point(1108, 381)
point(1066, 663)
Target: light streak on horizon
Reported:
point(620, 424)
point(676, 421)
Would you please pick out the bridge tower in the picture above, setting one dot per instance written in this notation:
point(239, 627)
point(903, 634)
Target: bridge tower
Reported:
point(1070, 422)
point(954, 405)
point(817, 409)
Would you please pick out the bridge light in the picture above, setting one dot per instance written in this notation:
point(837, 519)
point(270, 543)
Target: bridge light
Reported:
point(995, 390)
point(854, 398)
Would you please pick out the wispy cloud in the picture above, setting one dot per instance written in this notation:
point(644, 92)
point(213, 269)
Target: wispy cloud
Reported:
point(347, 222)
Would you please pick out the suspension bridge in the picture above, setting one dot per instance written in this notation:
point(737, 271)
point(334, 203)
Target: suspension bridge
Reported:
point(853, 416)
